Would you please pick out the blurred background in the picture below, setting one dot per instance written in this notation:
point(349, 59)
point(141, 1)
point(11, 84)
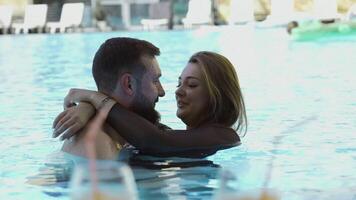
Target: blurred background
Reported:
point(106, 15)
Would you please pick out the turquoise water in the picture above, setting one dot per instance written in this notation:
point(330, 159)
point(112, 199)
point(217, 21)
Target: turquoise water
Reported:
point(300, 97)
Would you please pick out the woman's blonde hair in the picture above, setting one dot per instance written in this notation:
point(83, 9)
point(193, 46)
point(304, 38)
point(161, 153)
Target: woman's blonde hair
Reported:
point(226, 103)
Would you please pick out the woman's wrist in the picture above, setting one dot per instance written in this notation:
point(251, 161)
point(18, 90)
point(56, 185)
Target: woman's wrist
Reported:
point(106, 106)
point(102, 103)
point(97, 99)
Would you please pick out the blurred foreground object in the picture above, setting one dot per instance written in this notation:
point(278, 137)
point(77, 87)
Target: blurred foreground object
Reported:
point(114, 181)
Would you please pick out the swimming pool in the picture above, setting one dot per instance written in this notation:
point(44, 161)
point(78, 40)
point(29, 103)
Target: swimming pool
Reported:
point(300, 98)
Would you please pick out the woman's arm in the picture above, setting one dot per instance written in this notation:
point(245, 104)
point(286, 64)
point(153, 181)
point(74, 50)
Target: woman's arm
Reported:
point(198, 142)
point(82, 95)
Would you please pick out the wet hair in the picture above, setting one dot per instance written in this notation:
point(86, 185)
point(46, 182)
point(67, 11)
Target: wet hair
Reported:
point(117, 56)
point(226, 103)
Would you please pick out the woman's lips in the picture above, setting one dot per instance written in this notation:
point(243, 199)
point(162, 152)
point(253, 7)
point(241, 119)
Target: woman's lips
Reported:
point(181, 104)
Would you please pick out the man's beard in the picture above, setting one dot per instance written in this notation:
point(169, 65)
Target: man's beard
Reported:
point(144, 108)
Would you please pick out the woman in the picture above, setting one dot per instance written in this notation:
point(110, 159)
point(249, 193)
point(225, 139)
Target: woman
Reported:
point(209, 102)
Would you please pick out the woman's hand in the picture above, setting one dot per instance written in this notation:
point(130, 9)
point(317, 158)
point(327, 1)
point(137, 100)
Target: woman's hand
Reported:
point(81, 95)
point(72, 119)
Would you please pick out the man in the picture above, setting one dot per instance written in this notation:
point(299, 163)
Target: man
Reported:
point(126, 70)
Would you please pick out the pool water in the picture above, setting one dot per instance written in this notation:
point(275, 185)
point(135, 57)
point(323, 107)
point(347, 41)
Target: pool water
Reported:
point(300, 98)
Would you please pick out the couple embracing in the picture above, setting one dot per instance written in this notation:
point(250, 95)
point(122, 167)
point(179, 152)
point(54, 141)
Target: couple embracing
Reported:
point(127, 75)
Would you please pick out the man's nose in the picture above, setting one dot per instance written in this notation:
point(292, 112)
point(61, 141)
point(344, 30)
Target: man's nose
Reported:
point(161, 91)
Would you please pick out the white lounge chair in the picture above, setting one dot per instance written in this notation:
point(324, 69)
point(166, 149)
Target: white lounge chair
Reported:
point(71, 17)
point(325, 9)
point(241, 12)
point(35, 18)
point(159, 15)
point(5, 18)
point(199, 12)
point(281, 13)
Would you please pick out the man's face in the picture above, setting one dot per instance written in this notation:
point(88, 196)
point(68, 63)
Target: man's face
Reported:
point(148, 91)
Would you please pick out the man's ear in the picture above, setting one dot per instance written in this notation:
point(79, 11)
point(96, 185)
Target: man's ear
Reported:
point(128, 84)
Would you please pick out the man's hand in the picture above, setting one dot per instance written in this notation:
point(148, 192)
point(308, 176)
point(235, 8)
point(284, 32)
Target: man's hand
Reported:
point(72, 119)
point(74, 96)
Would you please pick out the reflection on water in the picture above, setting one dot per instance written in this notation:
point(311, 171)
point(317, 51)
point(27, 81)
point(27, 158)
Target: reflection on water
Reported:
point(156, 178)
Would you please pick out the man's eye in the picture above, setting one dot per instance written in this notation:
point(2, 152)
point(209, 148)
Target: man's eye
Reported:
point(192, 86)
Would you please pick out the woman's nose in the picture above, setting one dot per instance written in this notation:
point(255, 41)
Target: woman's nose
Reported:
point(179, 91)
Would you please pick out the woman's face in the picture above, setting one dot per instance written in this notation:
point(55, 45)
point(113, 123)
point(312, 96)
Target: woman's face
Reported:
point(192, 96)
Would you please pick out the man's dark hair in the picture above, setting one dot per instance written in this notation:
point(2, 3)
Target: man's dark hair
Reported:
point(117, 56)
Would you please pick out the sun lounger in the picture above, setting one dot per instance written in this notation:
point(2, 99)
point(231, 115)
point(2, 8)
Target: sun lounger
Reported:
point(71, 17)
point(35, 18)
point(281, 14)
point(199, 12)
point(241, 11)
point(160, 14)
point(325, 10)
point(5, 18)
